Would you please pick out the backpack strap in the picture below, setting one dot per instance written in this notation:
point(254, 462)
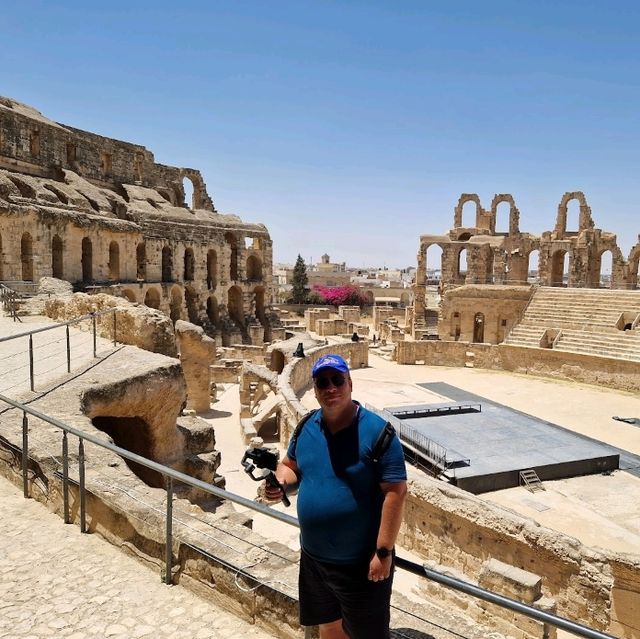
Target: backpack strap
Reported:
point(300, 426)
point(383, 442)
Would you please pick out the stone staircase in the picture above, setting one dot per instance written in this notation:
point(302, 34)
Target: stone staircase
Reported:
point(589, 321)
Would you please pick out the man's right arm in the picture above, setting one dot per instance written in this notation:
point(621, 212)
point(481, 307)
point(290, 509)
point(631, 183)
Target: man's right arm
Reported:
point(287, 475)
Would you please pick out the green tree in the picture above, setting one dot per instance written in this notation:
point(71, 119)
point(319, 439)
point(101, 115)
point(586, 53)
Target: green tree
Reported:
point(300, 282)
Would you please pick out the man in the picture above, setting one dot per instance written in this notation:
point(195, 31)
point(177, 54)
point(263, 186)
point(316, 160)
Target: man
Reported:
point(350, 509)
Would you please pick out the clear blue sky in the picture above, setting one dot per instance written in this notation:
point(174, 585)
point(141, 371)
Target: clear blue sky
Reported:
point(351, 128)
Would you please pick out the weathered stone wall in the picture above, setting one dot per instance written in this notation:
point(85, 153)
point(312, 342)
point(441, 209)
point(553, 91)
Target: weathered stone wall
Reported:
point(589, 369)
point(134, 324)
point(487, 313)
point(476, 253)
point(99, 212)
point(460, 531)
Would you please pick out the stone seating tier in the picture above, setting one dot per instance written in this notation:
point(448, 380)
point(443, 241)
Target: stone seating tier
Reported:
point(587, 319)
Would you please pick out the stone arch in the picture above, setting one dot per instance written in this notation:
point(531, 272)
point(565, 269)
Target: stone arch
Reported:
point(141, 261)
point(234, 305)
point(514, 214)
point(191, 302)
point(370, 297)
point(584, 222)
point(533, 264)
point(560, 265)
point(57, 252)
point(457, 212)
point(433, 263)
point(152, 298)
point(130, 295)
point(405, 298)
point(633, 280)
point(258, 296)
point(167, 264)
point(603, 269)
point(254, 268)
point(175, 304)
point(232, 242)
point(188, 192)
point(189, 264)
point(212, 269)
point(213, 312)
point(478, 328)
point(26, 257)
point(87, 260)
point(114, 261)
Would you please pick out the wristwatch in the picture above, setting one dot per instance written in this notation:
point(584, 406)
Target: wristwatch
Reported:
point(383, 552)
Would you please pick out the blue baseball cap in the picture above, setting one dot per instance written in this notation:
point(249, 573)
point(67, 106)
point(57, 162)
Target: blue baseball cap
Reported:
point(330, 361)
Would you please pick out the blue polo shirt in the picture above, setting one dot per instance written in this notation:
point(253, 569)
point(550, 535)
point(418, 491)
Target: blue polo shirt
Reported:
point(339, 498)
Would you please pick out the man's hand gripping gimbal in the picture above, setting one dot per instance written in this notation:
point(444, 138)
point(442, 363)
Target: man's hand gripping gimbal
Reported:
point(263, 458)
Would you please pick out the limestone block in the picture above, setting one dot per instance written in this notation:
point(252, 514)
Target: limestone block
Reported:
point(197, 352)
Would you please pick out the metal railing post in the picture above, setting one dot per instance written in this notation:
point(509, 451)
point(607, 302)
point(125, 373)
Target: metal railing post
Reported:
point(93, 318)
point(114, 326)
point(83, 501)
point(169, 536)
point(68, 350)
point(65, 476)
point(31, 381)
point(25, 454)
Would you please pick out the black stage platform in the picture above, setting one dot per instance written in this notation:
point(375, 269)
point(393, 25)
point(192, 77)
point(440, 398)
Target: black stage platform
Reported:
point(488, 444)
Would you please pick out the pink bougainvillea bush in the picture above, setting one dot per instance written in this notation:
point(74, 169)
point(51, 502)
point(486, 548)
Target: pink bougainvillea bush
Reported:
point(340, 295)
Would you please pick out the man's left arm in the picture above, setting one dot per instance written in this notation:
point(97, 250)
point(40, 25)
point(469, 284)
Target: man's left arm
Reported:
point(394, 495)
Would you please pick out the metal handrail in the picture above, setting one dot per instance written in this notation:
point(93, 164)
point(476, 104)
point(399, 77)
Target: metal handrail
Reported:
point(171, 474)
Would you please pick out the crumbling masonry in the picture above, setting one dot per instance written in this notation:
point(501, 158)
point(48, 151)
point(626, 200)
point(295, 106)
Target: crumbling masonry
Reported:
point(99, 213)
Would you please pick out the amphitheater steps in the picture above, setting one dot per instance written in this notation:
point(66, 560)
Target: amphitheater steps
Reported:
point(587, 319)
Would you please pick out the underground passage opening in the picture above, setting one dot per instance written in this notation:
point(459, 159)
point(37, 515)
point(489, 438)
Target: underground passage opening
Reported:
point(131, 433)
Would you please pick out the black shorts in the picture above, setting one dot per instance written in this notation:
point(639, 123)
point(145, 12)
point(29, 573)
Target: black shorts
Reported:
point(329, 592)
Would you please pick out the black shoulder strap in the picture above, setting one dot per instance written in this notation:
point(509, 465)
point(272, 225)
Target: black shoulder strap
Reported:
point(383, 442)
point(300, 426)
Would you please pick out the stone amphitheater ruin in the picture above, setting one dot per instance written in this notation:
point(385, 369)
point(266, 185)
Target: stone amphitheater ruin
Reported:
point(104, 216)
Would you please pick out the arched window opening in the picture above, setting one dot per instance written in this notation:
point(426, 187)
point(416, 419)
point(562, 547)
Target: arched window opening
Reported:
point(503, 215)
point(187, 186)
point(114, 261)
point(559, 268)
point(469, 214)
point(87, 260)
point(167, 264)
point(212, 310)
point(191, 302)
point(573, 216)
point(189, 265)
point(152, 298)
point(26, 257)
point(254, 268)
point(478, 328)
point(370, 297)
point(259, 302)
point(233, 260)
point(462, 265)
point(141, 261)
point(175, 306)
point(212, 269)
point(434, 265)
point(404, 299)
point(533, 268)
point(234, 305)
point(606, 269)
point(56, 257)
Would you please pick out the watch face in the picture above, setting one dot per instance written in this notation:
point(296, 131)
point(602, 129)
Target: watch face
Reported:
point(383, 553)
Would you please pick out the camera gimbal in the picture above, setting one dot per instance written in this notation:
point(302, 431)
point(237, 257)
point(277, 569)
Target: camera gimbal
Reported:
point(263, 458)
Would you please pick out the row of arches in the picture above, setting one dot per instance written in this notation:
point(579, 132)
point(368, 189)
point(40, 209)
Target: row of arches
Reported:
point(188, 300)
point(523, 268)
point(254, 269)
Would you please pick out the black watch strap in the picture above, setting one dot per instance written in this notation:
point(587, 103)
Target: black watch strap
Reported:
point(383, 552)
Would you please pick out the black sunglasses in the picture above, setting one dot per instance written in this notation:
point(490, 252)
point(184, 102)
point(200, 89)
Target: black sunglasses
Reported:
point(324, 382)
